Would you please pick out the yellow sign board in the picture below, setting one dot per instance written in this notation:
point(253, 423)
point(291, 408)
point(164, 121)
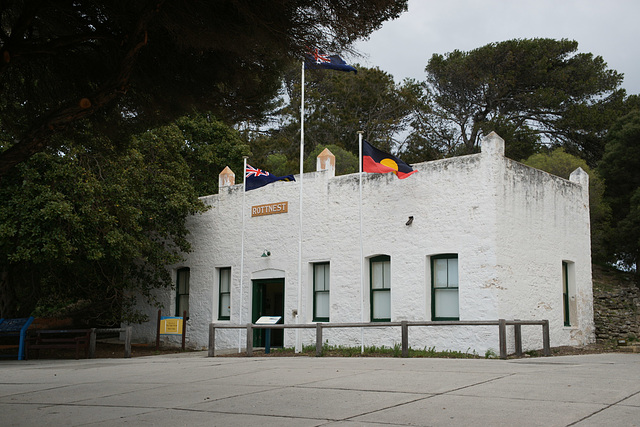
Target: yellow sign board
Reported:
point(270, 209)
point(171, 325)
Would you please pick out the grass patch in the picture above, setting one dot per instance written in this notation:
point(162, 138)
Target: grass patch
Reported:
point(375, 351)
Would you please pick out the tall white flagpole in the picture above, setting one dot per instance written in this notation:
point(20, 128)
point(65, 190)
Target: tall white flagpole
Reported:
point(244, 190)
point(298, 348)
point(361, 250)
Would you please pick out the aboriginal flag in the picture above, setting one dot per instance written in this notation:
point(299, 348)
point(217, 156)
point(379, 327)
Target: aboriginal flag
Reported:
point(256, 178)
point(376, 161)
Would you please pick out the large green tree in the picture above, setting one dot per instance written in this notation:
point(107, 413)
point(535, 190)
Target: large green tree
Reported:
point(209, 146)
point(96, 223)
point(141, 62)
point(620, 167)
point(530, 91)
point(337, 106)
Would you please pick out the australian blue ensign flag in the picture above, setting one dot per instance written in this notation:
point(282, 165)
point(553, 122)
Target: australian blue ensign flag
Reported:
point(256, 178)
point(315, 60)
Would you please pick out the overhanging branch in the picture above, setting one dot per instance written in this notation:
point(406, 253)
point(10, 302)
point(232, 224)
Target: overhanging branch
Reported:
point(36, 139)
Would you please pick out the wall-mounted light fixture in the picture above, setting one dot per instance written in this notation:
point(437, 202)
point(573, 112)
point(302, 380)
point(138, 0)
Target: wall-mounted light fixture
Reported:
point(266, 253)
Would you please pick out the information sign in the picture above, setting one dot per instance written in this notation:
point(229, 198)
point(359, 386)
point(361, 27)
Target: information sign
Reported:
point(268, 320)
point(170, 325)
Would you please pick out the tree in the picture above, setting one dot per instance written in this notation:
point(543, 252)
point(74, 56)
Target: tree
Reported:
point(209, 146)
point(65, 66)
point(94, 225)
point(562, 164)
point(532, 92)
point(337, 106)
point(619, 167)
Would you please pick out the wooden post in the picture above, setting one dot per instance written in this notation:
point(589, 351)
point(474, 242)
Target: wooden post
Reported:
point(502, 333)
point(212, 340)
point(546, 345)
point(405, 338)
point(158, 330)
point(318, 339)
point(249, 340)
point(127, 342)
point(517, 332)
point(92, 344)
point(184, 327)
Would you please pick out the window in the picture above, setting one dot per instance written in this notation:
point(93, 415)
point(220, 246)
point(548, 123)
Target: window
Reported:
point(224, 293)
point(380, 273)
point(321, 292)
point(444, 287)
point(569, 308)
point(182, 292)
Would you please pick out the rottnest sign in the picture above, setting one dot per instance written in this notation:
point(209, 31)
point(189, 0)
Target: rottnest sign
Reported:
point(270, 209)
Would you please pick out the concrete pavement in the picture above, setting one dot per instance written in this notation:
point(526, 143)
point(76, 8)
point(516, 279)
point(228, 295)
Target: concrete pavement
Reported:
point(192, 390)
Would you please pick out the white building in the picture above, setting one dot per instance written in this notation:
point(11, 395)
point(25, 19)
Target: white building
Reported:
point(477, 237)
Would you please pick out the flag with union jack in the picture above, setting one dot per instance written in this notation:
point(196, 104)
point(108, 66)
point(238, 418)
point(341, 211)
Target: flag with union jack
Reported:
point(256, 178)
point(315, 60)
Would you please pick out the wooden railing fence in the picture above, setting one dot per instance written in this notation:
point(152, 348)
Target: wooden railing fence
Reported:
point(127, 340)
point(404, 332)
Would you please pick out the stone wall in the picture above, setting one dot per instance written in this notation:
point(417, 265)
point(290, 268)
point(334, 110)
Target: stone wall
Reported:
point(617, 312)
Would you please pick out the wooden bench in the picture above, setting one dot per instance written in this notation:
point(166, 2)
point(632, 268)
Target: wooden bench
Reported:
point(59, 338)
point(16, 328)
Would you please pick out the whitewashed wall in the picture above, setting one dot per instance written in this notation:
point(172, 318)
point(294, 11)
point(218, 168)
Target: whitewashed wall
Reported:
point(511, 226)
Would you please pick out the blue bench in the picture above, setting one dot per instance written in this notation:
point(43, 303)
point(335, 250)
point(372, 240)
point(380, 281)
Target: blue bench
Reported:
point(16, 328)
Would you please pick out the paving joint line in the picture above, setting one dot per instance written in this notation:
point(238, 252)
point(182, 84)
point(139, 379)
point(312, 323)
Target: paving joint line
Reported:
point(603, 409)
point(429, 397)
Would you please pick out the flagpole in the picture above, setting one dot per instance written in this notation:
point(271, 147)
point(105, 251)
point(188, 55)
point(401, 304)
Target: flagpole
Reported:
point(361, 250)
point(298, 347)
point(244, 190)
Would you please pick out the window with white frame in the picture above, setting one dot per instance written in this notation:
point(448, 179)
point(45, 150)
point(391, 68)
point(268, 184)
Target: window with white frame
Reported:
point(321, 280)
point(444, 287)
point(224, 293)
point(380, 281)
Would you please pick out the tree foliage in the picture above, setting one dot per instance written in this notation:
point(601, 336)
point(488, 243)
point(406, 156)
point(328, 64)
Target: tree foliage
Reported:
point(346, 161)
point(530, 91)
point(209, 146)
point(95, 223)
point(620, 168)
point(141, 63)
point(337, 106)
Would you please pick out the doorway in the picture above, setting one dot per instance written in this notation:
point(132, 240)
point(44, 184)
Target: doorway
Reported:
point(268, 300)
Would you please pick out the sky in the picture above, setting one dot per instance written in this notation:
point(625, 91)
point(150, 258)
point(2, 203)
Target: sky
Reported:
point(606, 28)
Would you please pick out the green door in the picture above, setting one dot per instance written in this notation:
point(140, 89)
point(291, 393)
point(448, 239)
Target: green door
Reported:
point(268, 300)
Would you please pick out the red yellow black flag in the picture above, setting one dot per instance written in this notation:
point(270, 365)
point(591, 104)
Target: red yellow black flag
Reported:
point(376, 161)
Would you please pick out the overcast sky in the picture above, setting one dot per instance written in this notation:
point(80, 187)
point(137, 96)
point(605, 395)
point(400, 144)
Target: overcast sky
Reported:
point(607, 28)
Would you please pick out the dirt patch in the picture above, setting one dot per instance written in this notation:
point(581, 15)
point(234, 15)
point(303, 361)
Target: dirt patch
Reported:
point(111, 350)
point(116, 350)
point(103, 351)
